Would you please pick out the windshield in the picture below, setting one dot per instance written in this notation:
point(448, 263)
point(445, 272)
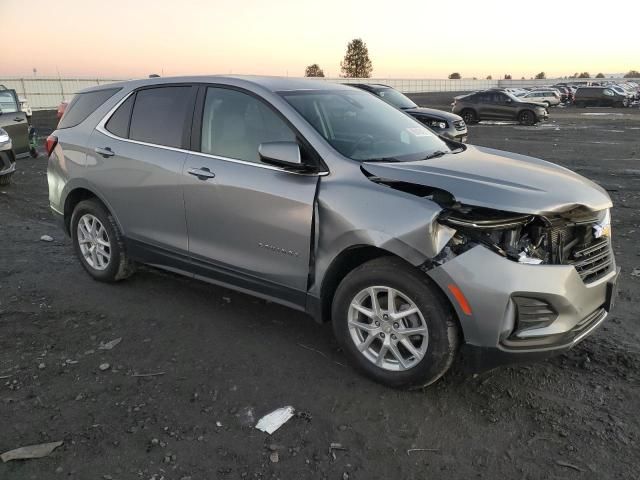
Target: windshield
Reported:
point(363, 127)
point(395, 98)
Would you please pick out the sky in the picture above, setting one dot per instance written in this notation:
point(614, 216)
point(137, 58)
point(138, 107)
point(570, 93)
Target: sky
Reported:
point(406, 39)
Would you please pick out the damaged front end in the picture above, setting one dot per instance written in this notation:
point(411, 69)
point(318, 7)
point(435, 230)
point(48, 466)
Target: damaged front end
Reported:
point(578, 237)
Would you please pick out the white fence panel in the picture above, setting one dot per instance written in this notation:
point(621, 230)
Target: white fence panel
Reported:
point(47, 93)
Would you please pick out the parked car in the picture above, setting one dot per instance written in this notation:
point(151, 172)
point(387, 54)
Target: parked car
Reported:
point(549, 98)
point(331, 201)
point(443, 123)
point(599, 97)
point(7, 158)
point(26, 108)
point(498, 105)
point(14, 122)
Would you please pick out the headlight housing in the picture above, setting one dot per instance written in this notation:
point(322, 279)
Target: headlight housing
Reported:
point(438, 124)
point(4, 137)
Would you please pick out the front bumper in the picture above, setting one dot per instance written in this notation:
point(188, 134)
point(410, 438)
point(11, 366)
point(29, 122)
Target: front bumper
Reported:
point(7, 162)
point(490, 284)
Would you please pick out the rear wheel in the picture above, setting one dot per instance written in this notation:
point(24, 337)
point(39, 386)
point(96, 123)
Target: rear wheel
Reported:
point(98, 242)
point(527, 117)
point(469, 116)
point(394, 324)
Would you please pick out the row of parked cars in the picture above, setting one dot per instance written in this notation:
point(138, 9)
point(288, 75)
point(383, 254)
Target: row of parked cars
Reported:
point(605, 94)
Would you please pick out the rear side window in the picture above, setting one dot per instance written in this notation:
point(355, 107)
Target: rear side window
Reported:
point(118, 124)
point(159, 115)
point(83, 105)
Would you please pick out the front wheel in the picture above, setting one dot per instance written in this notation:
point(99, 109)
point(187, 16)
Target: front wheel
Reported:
point(394, 324)
point(469, 116)
point(527, 117)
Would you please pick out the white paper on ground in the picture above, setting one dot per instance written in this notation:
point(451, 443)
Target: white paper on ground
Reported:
point(274, 420)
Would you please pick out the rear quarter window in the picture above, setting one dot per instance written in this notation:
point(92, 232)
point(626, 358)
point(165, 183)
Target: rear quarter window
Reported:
point(83, 105)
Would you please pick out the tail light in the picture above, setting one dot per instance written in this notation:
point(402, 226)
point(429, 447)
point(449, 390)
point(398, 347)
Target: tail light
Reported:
point(50, 144)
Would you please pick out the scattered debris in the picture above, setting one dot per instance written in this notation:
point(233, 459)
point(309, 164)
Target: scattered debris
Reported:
point(109, 345)
point(218, 424)
point(320, 353)
point(274, 420)
point(274, 457)
point(104, 366)
point(30, 451)
point(635, 272)
point(46, 238)
point(336, 446)
point(569, 465)
point(155, 374)
point(411, 450)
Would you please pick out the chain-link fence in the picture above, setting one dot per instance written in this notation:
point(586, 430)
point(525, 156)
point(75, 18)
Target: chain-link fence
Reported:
point(47, 93)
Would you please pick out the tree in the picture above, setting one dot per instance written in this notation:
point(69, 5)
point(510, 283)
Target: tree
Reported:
point(600, 75)
point(584, 75)
point(356, 63)
point(632, 74)
point(541, 76)
point(455, 76)
point(489, 77)
point(313, 70)
point(507, 76)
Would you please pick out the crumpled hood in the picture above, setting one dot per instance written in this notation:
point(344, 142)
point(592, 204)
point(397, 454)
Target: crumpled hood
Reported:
point(490, 178)
point(434, 113)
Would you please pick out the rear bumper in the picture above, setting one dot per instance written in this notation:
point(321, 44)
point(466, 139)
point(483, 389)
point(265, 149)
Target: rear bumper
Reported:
point(494, 328)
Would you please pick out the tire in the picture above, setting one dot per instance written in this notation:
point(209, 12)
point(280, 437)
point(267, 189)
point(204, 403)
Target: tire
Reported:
point(527, 117)
point(118, 266)
point(437, 347)
point(469, 116)
point(6, 179)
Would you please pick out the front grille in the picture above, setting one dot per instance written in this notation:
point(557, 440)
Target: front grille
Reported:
point(593, 261)
point(459, 125)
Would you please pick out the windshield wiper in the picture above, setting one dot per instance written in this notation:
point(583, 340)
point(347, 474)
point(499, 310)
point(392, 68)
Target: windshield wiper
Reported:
point(382, 159)
point(436, 154)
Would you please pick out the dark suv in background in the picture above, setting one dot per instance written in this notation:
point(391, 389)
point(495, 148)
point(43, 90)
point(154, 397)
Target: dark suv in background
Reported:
point(599, 97)
point(498, 105)
point(443, 123)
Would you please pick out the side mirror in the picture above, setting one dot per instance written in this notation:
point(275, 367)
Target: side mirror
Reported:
point(281, 154)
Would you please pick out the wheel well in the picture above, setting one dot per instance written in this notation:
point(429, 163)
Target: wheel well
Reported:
point(74, 198)
point(344, 263)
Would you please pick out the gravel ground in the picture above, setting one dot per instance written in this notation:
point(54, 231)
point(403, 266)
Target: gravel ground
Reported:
point(216, 361)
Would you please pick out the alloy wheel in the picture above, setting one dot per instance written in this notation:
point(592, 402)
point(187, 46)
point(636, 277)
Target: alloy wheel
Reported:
point(94, 242)
point(388, 328)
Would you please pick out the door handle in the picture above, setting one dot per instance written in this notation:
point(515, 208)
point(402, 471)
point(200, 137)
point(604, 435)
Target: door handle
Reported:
point(105, 152)
point(203, 173)
point(18, 119)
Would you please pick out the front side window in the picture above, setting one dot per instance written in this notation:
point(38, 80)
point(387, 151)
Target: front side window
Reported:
point(8, 102)
point(234, 124)
point(160, 114)
point(363, 127)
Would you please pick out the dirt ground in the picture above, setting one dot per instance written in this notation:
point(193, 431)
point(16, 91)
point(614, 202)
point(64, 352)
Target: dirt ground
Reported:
point(220, 360)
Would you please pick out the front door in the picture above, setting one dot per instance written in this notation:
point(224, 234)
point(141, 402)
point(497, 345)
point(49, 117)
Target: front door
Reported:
point(14, 121)
point(246, 219)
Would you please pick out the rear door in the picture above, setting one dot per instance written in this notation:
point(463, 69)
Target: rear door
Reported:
point(14, 121)
point(135, 161)
point(249, 222)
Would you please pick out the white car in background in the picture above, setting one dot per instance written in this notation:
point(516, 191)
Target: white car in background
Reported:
point(550, 98)
point(26, 108)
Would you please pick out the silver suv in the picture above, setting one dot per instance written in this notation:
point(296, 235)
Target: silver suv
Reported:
point(331, 201)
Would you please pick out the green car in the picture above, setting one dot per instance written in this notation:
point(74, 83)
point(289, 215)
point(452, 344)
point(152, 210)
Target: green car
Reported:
point(14, 122)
